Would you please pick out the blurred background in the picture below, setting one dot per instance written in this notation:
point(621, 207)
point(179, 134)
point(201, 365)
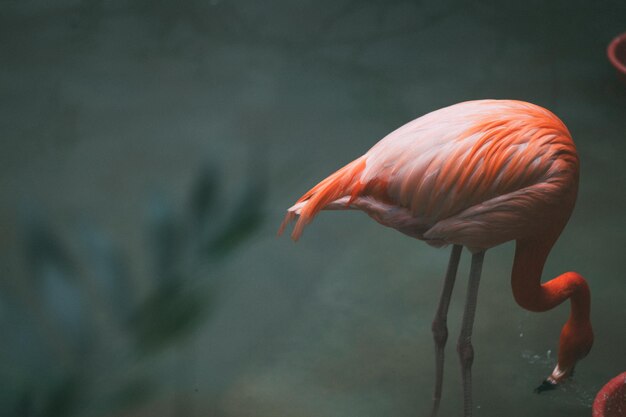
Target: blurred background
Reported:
point(149, 149)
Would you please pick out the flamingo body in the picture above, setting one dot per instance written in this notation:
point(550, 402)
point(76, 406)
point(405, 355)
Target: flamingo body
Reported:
point(478, 174)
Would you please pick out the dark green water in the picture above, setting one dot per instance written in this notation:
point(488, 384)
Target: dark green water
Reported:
point(110, 110)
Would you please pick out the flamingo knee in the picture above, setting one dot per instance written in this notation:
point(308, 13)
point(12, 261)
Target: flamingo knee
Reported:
point(466, 351)
point(440, 331)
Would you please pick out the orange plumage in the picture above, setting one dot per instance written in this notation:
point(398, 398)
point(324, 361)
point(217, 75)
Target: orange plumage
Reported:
point(475, 174)
point(463, 174)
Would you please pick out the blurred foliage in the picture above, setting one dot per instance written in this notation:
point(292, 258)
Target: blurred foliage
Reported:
point(94, 333)
point(133, 393)
point(244, 219)
point(62, 398)
point(167, 315)
point(43, 249)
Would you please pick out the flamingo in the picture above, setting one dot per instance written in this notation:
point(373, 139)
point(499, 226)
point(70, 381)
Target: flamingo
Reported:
point(475, 174)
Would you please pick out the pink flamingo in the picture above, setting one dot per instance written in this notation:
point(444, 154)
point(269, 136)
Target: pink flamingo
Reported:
point(475, 174)
point(611, 399)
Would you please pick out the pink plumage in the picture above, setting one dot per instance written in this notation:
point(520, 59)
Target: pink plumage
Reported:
point(477, 173)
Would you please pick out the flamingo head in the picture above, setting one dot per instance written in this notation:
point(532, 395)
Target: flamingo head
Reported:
point(575, 343)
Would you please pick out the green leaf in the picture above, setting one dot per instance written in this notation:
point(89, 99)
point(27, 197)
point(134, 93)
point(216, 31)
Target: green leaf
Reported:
point(245, 218)
point(165, 239)
point(63, 397)
point(109, 269)
point(132, 394)
point(168, 315)
point(203, 195)
point(44, 250)
point(25, 403)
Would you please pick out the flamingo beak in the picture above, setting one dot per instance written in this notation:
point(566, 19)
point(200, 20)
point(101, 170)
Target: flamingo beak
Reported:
point(558, 375)
point(546, 385)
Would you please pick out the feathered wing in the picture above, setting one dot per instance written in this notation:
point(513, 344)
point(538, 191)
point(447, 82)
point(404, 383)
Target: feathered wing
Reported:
point(446, 175)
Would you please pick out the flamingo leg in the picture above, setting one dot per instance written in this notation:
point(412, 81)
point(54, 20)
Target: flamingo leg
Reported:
point(439, 326)
point(464, 346)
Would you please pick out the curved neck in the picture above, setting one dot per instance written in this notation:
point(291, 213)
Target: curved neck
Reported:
point(530, 258)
